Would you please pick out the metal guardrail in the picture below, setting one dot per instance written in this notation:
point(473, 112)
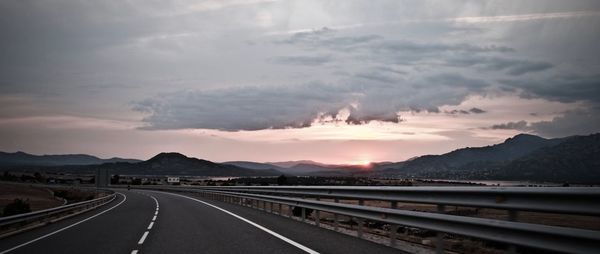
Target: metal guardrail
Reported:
point(18, 220)
point(563, 200)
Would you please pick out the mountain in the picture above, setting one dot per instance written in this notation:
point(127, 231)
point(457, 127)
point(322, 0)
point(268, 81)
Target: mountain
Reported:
point(510, 149)
point(289, 164)
point(522, 157)
point(252, 165)
point(302, 168)
point(25, 159)
point(161, 164)
point(576, 159)
point(179, 164)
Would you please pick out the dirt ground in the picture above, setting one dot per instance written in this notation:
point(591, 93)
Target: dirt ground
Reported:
point(38, 198)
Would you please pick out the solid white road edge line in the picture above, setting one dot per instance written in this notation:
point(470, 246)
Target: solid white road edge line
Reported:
point(285, 239)
point(67, 227)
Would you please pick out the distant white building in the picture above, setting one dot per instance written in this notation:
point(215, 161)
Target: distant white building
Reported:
point(172, 179)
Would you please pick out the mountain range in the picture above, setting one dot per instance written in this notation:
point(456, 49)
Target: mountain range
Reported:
point(161, 164)
point(25, 159)
point(522, 157)
point(302, 167)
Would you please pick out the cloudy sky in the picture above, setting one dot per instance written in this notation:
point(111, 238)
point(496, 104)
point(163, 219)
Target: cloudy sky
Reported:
point(264, 80)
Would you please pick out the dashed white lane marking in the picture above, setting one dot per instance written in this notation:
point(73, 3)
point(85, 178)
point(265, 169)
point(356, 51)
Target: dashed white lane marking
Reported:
point(67, 227)
point(141, 241)
point(145, 235)
point(285, 239)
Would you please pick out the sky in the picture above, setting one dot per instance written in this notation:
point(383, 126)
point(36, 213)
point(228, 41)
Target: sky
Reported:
point(265, 80)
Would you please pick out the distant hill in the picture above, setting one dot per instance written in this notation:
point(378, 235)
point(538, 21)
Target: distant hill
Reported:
point(523, 157)
point(510, 149)
point(179, 164)
point(161, 164)
point(300, 167)
point(575, 159)
point(252, 165)
point(25, 159)
point(289, 164)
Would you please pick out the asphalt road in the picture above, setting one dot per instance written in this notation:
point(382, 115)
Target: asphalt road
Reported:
point(157, 222)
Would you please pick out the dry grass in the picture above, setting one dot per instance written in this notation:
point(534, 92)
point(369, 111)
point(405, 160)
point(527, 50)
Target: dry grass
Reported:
point(38, 198)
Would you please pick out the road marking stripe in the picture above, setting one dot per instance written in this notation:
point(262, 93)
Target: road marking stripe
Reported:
point(285, 239)
point(154, 218)
point(156, 213)
point(143, 238)
point(67, 227)
point(150, 226)
point(134, 251)
point(155, 200)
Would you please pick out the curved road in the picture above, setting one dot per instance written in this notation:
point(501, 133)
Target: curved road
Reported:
point(159, 222)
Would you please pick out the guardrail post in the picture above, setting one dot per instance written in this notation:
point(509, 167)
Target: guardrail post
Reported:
point(336, 223)
point(393, 231)
point(317, 216)
point(290, 211)
point(393, 228)
point(279, 208)
point(303, 213)
point(512, 216)
point(439, 239)
point(360, 227)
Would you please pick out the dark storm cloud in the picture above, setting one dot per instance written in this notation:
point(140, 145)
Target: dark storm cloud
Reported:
point(264, 107)
point(520, 125)
point(378, 49)
point(573, 122)
point(513, 67)
point(107, 50)
point(562, 88)
point(477, 111)
point(465, 112)
point(526, 66)
point(377, 77)
point(326, 38)
point(302, 60)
